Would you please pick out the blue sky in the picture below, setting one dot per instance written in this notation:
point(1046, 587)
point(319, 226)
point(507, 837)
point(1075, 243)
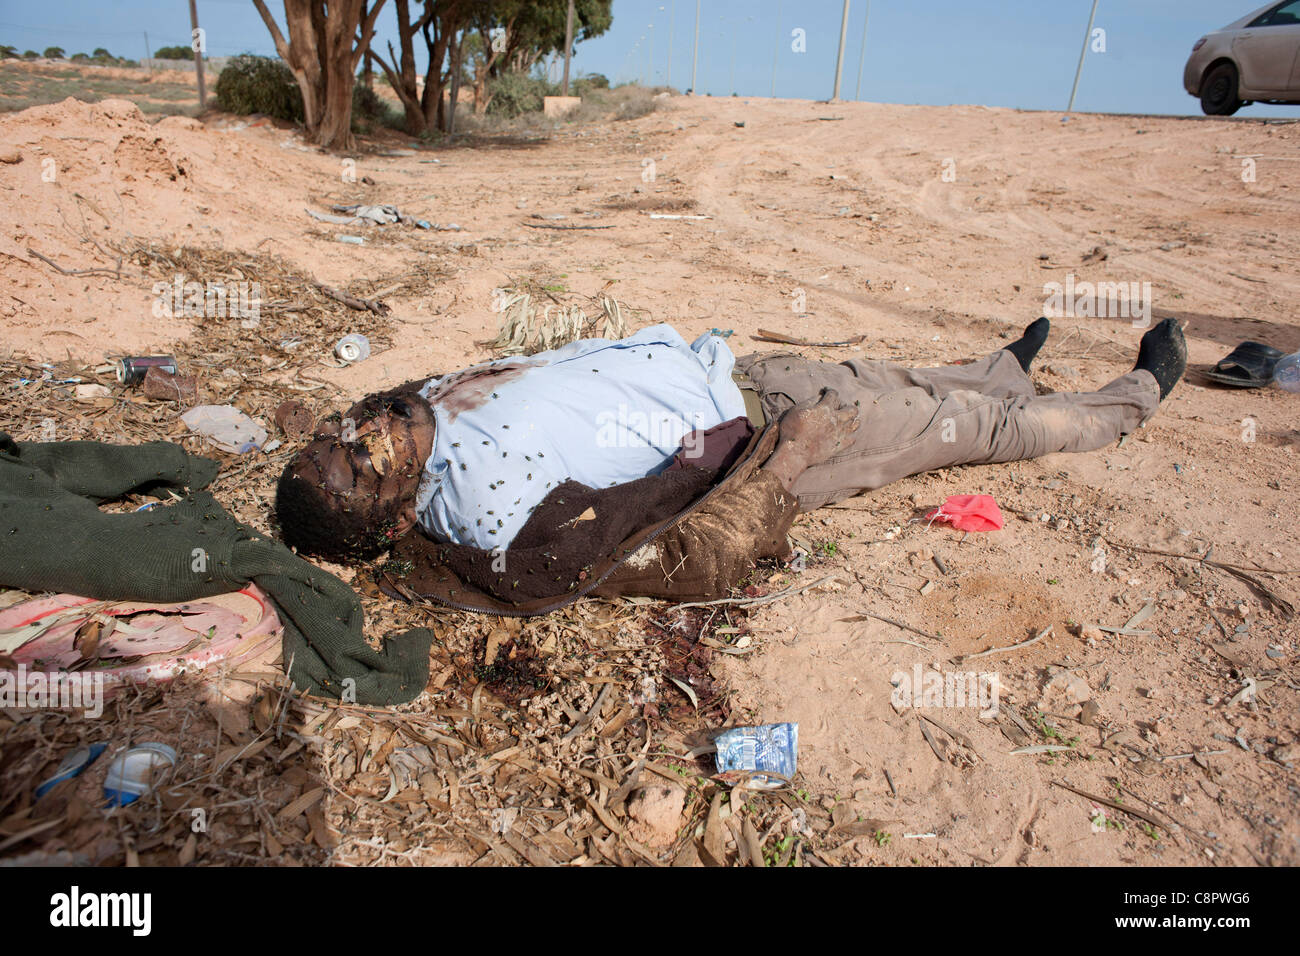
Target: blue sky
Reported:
point(1016, 53)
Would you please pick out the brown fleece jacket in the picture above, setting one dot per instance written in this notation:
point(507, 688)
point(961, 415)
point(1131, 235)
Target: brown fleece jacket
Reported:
point(689, 533)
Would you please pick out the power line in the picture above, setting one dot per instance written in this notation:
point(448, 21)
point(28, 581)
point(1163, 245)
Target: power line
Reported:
point(862, 57)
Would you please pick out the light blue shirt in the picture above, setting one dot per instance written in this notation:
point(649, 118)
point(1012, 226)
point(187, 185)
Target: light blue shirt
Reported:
point(597, 411)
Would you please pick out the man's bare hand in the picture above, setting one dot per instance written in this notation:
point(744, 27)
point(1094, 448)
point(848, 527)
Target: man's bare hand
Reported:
point(810, 434)
point(819, 429)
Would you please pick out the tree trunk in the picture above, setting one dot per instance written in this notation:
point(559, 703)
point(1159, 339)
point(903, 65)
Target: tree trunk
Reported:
point(401, 74)
point(453, 94)
point(322, 52)
point(367, 68)
point(436, 38)
point(485, 68)
point(335, 128)
point(409, 94)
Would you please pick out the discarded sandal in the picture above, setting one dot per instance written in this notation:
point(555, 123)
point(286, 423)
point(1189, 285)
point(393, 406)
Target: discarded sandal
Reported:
point(71, 766)
point(1249, 365)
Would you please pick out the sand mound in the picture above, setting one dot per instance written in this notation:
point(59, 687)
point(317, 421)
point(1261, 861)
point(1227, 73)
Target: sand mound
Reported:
point(97, 144)
point(93, 180)
point(91, 175)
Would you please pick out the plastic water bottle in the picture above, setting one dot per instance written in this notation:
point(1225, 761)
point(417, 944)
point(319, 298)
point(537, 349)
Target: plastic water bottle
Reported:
point(1287, 372)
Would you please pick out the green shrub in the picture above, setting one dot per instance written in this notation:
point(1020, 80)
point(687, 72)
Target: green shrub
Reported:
point(53, 53)
point(592, 81)
point(627, 102)
point(174, 53)
point(516, 93)
point(259, 84)
point(369, 110)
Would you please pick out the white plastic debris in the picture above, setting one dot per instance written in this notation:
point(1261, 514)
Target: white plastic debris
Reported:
point(226, 427)
point(134, 772)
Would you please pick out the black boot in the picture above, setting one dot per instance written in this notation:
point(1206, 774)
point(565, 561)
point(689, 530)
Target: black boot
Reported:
point(1027, 346)
point(1163, 353)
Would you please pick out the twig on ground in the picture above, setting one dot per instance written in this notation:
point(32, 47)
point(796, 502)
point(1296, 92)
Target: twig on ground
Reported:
point(590, 715)
point(765, 599)
point(551, 225)
point(1202, 559)
point(765, 335)
point(1014, 647)
point(890, 620)
point(353, 302)
point(74, 272)
point(1199, 753)
point(1131, 811)
point(1236, 570)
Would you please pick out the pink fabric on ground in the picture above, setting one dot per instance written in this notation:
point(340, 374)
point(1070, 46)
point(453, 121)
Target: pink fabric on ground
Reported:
point(969, 513)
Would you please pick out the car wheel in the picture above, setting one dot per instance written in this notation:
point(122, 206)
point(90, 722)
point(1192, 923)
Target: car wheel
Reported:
point(1219, 91)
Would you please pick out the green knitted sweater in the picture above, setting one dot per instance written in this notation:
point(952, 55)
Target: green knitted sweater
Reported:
point(54, 537)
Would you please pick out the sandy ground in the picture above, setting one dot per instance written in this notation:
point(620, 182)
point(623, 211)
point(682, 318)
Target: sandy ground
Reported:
point(932, 232)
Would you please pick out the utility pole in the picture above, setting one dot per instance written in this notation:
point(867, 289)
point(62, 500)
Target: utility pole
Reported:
point(862, 57)
point(148, 55)
point(695, 51)
point(731, 78)
point(1087, 34)
point(568, 48)
point(198, 54)
point(672, 9)
point(776, 50)
point(839, 58)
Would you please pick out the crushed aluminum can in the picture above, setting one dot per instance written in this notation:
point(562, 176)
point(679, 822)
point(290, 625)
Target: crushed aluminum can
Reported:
point(131, 369)
point(758, 758)
point(353, 348)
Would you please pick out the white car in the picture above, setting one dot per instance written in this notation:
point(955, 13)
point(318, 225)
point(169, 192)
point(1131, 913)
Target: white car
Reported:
point(1254, 59)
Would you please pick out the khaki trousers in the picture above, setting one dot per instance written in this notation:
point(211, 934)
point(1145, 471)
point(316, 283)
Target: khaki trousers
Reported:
point(917, 420)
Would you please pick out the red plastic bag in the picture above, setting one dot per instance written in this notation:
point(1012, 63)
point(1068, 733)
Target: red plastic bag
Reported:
point(969, 513)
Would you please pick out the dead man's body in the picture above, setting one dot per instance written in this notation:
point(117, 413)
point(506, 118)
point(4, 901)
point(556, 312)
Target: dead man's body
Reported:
point(822, 432)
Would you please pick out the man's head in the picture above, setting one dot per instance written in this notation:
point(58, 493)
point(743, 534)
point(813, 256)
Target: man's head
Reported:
point(351, 491)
